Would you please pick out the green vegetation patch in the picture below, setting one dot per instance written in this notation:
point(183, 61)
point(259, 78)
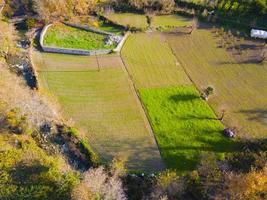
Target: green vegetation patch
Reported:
point(60, 35)
point(184, 125)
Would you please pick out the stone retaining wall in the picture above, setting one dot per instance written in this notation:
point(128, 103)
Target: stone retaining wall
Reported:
point(76, 51)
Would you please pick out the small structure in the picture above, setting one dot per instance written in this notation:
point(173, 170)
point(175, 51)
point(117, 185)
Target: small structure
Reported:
point(113, 39)
point(255, 33)
point(228, 133)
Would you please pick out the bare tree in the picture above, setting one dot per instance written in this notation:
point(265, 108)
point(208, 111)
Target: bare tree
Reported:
point(104, 183)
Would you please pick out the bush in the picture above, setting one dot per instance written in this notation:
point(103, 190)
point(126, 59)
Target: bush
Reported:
point(31, 23)
point(168, 185)
point(15, 122)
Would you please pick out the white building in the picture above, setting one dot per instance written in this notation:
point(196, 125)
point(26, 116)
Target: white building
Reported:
point(258, 34)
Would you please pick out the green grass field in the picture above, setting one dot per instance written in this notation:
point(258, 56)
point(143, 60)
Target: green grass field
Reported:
point(129, 19)
point(165, 22)
point(170, 21)
point(103, 105)
point(240, 89)
point(184, 126)
point(60, 35)
point(151, 63)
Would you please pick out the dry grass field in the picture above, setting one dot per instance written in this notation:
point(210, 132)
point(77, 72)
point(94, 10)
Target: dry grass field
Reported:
point(151, 63)
point(240, 88)
point(103, 104)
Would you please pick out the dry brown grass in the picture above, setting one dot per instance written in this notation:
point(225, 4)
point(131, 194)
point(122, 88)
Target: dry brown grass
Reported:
point(15, 94)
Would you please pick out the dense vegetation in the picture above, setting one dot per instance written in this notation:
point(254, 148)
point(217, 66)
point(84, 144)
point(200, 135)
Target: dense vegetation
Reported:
point(243, 13)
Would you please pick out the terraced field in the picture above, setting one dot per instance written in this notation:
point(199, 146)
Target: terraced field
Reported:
point(151, 63)
point(184, 125)
point(103, 104)
point(240, 88)
point(170, 21)
point(164, 22)
point(129, 19)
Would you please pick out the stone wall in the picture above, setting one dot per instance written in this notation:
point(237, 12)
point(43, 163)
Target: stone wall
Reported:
point(76, 51)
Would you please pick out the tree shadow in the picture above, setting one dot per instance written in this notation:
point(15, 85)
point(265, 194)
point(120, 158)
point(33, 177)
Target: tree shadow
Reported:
point(258, 114)
point(250, 60)
point(181, 97)
point(183, 162)
point(190, 117)
point(248, 47)
point(23, 173)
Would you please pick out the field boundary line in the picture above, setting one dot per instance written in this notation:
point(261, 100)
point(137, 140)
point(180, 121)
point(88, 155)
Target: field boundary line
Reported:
point(144, 111)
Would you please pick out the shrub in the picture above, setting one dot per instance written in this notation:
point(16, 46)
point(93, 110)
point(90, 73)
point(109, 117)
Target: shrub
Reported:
point(31, 23)
point(16, 123)
point(79, 148)
point(102, 184)
point(168, 185)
